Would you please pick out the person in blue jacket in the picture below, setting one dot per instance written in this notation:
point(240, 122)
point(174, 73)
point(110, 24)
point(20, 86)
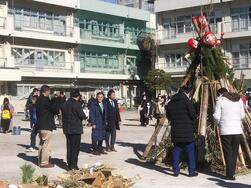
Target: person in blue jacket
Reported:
point(34, 130)
point(98, 123)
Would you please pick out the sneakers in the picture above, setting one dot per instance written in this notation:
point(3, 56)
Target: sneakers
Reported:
point(31, 149)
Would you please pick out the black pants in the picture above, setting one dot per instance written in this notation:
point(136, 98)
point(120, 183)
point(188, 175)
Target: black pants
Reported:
point(73, 148)
point(110, 138)
point(34, 133)
point(97, 144)
point(5, 123)
point(230, 145)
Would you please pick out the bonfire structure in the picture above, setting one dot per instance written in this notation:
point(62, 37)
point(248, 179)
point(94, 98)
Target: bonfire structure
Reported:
point(208, 71)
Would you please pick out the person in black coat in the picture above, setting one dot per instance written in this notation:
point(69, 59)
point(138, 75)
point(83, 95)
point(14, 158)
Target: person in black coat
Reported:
point(46, 109)
point(72, 115)
point(147, 112)
point(62, 100)
point(113, 120)
point(181, 113)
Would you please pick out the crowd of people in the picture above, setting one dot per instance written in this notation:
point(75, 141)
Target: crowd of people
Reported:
point(104, 117)
point(180, 111)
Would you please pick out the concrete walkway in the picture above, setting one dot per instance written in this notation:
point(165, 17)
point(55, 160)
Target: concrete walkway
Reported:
point(131, 138)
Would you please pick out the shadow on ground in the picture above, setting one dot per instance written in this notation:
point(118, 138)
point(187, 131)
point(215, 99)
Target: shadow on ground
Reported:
point(34, 159)
point(223, 183)
point(85, 147)
point(150, 166)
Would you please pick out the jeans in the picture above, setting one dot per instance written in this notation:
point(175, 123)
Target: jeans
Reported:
point(190, 150)
point(73, 147)
point(34, 133)
point(230, 144)
point(110, 138)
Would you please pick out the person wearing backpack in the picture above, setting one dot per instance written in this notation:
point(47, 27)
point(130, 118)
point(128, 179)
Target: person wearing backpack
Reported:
point(6, 115)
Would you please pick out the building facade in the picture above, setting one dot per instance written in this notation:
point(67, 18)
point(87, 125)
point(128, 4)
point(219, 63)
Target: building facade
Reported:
point(233, 17)
point(62, 43)
point(141, 4)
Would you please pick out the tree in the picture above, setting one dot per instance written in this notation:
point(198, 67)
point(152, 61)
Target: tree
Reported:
point(157, 80)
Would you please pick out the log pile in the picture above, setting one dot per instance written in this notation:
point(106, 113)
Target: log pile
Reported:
point(209, 71)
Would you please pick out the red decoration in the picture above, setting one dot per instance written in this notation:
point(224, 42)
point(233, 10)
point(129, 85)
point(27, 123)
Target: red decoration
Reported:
point(209, 39)
point(222, 34)
point(192, 43)
point(202, 22)
point(218, 42)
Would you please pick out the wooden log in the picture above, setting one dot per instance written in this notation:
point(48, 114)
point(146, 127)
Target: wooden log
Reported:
point(153, 138)
point(214, 89)
point(203, 117)
point(241, 157)
point(246, 144)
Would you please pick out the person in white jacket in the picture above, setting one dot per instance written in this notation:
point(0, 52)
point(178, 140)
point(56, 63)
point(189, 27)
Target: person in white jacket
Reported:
point(229, 112)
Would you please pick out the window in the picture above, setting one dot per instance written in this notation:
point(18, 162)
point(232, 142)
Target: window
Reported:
point(175, 60)
point(241, 55)
point(241, 18)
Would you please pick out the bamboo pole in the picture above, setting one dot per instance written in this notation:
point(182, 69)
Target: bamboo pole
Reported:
point(153, 138)
point(214, 96)
point(203, 117)
point(241, 157)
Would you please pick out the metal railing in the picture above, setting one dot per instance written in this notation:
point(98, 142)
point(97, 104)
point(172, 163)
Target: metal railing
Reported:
point(173, 32)
point(101, 64)
point(2, 22)
point(44, 65)
point(3, 62)
point(101, 35)
point(236, 26)
point(107, 64)
point(52, 29)
point(241, 63)
point(173, 66)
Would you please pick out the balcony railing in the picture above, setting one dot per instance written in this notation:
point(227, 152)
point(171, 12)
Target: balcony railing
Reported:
point(44, 65)
point(93, 30)
point(2, 22)
point(3, 62)
point(241, 63)
point(36, 26)
point(173, 32)
point(105, 64)
point(237, 26)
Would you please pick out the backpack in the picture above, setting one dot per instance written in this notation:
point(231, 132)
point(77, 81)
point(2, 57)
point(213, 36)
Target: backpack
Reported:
point(6, 114)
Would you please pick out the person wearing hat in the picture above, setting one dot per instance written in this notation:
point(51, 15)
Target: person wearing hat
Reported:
point(72, 115)
point(181, 113)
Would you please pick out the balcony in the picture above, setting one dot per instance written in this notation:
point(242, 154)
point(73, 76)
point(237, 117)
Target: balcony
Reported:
point(241, 63)
point(106, 34)
point(237, 28)
point(58, 30)
point(176, 34)
point(107, 64)
point(176, 70)
point(44, 65)
point(34, 24)
point(2, 23)
point(3, 62)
